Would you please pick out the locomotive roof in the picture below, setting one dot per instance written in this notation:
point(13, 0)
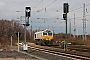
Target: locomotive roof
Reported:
point(47, 30)
point(38, 32)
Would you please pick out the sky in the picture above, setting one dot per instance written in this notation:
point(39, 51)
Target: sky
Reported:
point(48, 14)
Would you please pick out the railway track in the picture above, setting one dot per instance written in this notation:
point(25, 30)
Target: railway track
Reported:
point(58, 52)
point(83, 49)
point(80, 48)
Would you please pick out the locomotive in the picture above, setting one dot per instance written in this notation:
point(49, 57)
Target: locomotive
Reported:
point(44, 37)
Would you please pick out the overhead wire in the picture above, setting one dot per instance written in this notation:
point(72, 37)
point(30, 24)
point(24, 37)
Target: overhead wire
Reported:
point(52, 3)
point(38, 3)
point(45, 7)
point(80, 8)
point(69, 11)
point(75, 10)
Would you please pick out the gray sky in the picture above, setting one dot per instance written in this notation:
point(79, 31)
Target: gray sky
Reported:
point(48, 11)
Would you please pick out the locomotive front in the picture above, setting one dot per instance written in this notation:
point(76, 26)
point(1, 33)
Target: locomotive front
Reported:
point(47, 36)
point(44, 37)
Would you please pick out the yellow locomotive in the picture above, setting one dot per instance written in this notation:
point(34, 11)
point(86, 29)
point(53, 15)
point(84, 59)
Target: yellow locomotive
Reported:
point(44, 37)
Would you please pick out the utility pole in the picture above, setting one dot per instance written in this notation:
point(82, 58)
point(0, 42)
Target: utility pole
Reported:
point(11, 40)
point(70, 28)
point(18, 41)
point(18, 34)
point(84, 23)
point(31, 32)
point(74, 27)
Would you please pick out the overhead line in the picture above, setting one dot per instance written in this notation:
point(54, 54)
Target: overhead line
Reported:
point(45, 7)
point(78, 8)
point(59, 15)
point(50, 3)
point(78, 17)
point(38, 3)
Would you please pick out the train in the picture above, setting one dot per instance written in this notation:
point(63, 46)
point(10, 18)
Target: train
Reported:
point(44, 37)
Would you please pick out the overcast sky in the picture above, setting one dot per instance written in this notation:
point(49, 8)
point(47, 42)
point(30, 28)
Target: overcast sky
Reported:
point(48, 11)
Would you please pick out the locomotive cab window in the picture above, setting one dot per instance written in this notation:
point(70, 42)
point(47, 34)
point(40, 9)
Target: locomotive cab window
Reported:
point(35, 35)
point(44, 33)
point(49, 34)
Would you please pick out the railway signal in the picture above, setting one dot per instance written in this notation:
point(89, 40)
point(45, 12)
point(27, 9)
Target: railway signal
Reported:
point(65, 8)
point(28, 11)
point(65, 11)
point(27, 15)
point(65, 16)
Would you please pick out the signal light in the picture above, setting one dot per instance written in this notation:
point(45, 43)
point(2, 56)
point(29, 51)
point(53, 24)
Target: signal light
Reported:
point(28, 11)
point(65, 16)
point(65, 8)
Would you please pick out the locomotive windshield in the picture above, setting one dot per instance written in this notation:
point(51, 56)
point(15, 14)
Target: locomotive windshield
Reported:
point(49, 34)
point(44, 33)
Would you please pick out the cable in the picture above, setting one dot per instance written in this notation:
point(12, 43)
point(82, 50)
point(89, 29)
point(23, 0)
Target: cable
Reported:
point(45, 7)
point(61, 15)
point(75, 10)
point(78, 17)
point(78, 8)
point(38, 3)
